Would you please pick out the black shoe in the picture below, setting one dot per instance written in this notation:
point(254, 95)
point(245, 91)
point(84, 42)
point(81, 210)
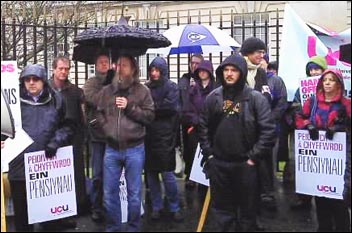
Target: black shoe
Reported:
point(178, 216)
point(259, 227)
point(67, 223)
point(268, 202)
point(301, 205)
point(155, 215)
point(97, 216)
point(190, 184)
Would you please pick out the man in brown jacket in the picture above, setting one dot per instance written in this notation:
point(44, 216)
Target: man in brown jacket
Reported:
point(126, 107)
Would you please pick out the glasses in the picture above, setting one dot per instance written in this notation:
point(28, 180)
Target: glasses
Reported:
point(29, 79)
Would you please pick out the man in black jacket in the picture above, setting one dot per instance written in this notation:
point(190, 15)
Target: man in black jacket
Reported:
point(236, 130)
point(74, 101)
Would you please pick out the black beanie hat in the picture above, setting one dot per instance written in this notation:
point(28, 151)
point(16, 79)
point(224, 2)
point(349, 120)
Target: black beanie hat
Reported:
point(251, 45)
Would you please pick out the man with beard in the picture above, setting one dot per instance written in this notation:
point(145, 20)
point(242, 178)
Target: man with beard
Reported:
point(124, 107)
point(236, 129)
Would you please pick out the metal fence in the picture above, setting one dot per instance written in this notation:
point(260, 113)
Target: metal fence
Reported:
point(30, 43)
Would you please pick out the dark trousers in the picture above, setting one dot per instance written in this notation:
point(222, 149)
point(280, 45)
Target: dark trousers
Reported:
point(18, 191)
point(266, 174)
point(332, 215)
point(80, 178)
point(190, 142)
point(233, 193)
point(98, 150)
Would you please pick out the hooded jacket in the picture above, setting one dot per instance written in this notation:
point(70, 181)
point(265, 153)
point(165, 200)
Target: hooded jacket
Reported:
point(160, 140)
point(45, 122)
point(258, 128)
point(125, 128)
point(322, 114)
point(198, 93)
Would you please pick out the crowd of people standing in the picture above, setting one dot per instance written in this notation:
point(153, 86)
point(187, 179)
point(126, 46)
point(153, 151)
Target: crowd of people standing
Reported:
point(236, 115)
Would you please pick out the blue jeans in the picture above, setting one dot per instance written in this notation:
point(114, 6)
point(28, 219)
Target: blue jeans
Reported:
point(170, 190)
point(96, 195)
point(132, 160)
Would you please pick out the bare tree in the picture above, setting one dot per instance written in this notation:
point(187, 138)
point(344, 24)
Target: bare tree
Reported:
point(31, 29)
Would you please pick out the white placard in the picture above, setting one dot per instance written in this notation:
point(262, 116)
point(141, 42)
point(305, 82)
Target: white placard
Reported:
point(14, 147)
point(11, 86)
point(123, 198)
point(308, 86)
point(50, 185)
point(320, 164)
point(197, 173)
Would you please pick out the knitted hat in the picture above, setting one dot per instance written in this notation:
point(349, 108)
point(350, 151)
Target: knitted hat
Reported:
point(251, 45)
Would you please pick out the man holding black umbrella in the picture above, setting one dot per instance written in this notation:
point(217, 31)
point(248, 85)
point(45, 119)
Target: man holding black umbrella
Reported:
point(125, 108)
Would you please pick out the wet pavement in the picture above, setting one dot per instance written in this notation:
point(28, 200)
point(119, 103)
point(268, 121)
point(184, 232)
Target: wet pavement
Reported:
point(282, 220)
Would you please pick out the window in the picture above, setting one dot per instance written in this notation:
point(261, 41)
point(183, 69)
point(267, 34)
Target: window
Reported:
point(249, 29)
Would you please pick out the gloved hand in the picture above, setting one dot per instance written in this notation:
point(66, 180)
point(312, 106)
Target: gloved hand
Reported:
point(204, 160)
point(313, 132)
point(208, 168)
point(207, 153)
point(329, 134)
point(50, 150)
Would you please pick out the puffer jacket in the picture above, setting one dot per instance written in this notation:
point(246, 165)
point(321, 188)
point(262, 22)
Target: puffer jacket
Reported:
point(257, 124)
point(44, 121)
point(125, 128)
point(160, 141)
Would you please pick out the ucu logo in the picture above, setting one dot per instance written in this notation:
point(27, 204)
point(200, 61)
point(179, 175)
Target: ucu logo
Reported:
point(59, 209)
point(325, 188)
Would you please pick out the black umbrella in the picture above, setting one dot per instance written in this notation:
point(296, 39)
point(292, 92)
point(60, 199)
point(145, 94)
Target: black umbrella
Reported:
point(117, 39)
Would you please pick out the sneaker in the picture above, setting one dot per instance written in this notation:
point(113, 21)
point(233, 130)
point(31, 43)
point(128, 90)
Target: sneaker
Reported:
point(178, 216)
point(155, 215)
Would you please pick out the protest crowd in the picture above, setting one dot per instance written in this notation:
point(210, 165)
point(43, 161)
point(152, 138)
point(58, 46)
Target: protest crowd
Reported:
point(237, 113)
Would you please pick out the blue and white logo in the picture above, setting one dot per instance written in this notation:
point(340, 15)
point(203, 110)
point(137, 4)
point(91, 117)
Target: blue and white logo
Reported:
point(195, 37)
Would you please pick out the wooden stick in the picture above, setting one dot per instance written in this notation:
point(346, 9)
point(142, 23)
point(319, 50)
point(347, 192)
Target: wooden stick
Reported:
point(204, 212)
point(3, 217)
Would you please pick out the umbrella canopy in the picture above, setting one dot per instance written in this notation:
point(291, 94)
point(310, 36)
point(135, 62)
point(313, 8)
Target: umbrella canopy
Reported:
point(118, 39)
point(196, 38)
point(88, 53)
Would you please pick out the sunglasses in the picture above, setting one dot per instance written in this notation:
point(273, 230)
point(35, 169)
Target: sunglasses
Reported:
point(33, 78)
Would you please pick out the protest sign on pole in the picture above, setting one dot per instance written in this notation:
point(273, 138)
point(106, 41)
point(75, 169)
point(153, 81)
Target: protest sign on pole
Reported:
point(320, 164)
point(197, 174)
point(50, 185)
